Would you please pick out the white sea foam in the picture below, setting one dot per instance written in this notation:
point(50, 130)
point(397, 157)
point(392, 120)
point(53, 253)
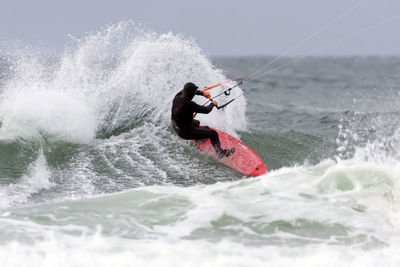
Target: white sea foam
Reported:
point(333, 214)
point(50, 112)
point(98, 251)
point(37, 177)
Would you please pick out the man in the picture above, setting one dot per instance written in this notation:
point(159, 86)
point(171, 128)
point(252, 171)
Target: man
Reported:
point(183, 109)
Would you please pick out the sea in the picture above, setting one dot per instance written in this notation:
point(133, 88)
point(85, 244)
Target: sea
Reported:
point(92, 173)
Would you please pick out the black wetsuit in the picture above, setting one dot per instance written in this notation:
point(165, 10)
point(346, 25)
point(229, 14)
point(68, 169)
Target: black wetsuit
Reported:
point(185, 126)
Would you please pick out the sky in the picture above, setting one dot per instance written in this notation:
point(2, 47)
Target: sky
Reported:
point(219, 27)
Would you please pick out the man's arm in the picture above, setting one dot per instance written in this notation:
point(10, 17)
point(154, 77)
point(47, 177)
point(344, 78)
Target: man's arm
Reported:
point(201, 109)
point(199, 92)
point(205, 94)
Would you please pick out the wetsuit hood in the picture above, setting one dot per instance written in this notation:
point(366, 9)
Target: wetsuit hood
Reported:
point(189, 90)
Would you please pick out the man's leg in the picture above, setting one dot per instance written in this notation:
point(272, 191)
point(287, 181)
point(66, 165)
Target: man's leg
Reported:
point(205, 132)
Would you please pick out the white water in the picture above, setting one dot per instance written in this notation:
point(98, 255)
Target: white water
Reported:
point(336, 214)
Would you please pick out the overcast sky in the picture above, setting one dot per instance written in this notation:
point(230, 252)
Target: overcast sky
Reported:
point(220, 27)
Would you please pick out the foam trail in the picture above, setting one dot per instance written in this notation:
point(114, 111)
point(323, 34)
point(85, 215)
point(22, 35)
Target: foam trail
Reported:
point(109, 80)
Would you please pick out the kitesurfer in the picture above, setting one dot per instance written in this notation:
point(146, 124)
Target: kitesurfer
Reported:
point(183, 109)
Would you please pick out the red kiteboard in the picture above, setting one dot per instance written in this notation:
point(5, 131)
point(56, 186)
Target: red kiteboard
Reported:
point(244, 159)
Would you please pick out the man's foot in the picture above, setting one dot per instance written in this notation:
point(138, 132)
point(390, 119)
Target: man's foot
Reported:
point(230, 152)
point(226, 152)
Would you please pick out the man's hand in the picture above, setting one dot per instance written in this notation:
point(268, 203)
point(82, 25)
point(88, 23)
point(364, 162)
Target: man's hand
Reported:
point(215, 103)
point(206, 94)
